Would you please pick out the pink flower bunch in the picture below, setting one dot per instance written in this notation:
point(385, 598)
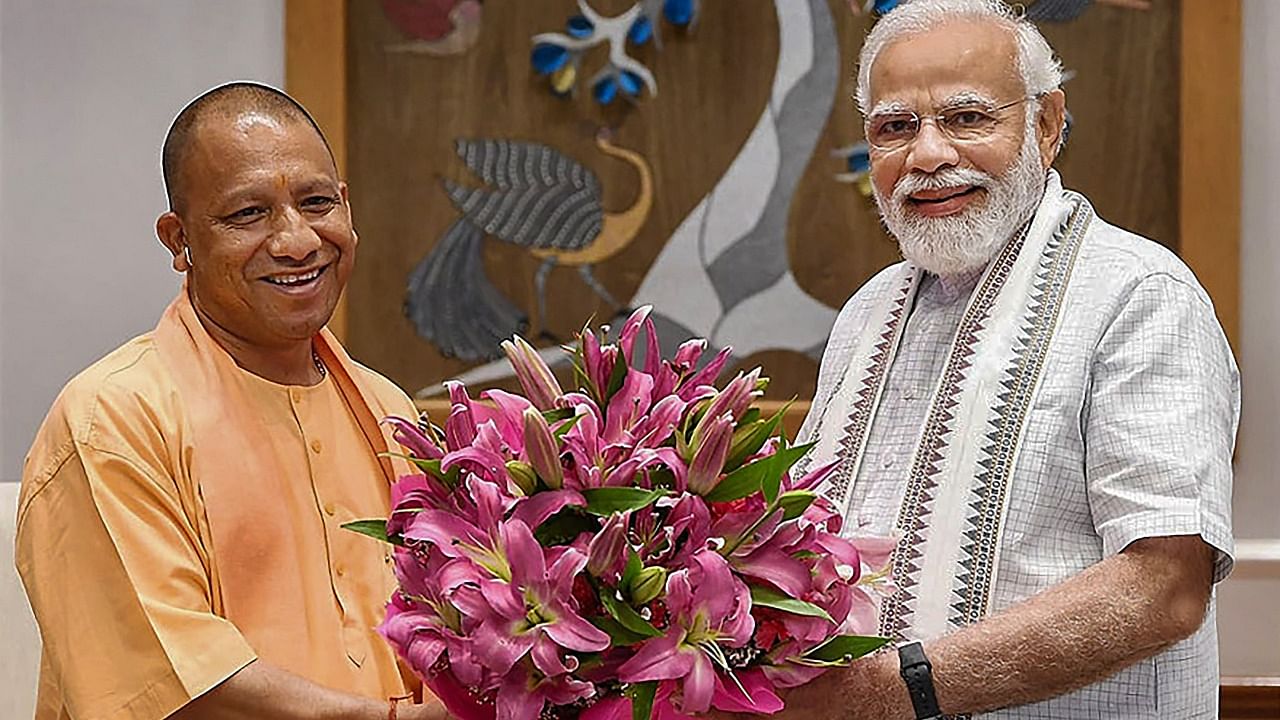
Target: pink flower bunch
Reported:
point(636, 546)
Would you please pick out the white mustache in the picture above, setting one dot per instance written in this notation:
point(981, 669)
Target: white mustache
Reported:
point(945, 178)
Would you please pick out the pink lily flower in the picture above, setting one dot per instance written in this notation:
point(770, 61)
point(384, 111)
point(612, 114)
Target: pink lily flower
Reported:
point(631, 329)
point(533, 613)
point(540, 447)
point(414, 440)
point(507, 416)
point(628, 406)
point(656, 428)
point(537, 380)
point(734, 400)
point(705, 377)
point(708, 607)
point(605, 552)
point(523, 694)
point(710, 454)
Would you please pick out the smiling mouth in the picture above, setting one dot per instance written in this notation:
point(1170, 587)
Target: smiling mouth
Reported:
point(296, 280)
point(945, 196)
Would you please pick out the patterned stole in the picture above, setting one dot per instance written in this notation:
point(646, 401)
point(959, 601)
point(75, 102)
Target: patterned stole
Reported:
point(953, 510)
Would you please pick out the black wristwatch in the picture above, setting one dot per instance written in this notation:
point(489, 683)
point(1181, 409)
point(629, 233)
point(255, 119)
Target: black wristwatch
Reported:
point(917, 673)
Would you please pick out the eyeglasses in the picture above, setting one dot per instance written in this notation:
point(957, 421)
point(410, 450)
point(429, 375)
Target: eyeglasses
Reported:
point(968, 123)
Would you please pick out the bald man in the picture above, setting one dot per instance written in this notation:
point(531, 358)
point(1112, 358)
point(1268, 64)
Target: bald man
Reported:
point(179, 523)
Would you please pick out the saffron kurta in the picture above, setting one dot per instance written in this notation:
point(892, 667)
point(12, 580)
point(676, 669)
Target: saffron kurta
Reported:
point(180, 517)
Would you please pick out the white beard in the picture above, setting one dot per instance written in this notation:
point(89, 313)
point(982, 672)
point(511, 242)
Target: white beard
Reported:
point(967, 241)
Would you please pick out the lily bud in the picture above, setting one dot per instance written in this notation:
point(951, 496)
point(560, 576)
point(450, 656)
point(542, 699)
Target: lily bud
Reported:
point(605, 551)
point(523, 475)
point(709, 456)
point(647, 585)
point(540, 446)
point(535, 377)
point(735, 399)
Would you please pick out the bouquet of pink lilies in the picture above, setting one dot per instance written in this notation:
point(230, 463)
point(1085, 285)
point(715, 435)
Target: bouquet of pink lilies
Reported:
point(636, 547)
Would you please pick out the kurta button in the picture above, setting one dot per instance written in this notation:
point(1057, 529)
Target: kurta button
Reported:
point(329, 509)
point(315, 445)
point(340, 572)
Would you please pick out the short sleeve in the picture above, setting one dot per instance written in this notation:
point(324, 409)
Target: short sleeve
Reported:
point(1161, 421)
point(115, 576)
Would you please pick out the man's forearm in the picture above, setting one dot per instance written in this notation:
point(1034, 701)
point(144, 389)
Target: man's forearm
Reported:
point(260, 690)
point(1120, 611)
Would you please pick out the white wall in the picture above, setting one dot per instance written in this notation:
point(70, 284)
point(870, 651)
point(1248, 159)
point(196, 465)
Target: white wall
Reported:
point(1249, 617)
point(87, 90)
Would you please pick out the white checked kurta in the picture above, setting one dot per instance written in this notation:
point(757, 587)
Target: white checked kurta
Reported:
point(1131, 436)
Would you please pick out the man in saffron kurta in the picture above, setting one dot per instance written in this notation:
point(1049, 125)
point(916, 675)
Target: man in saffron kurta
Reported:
point(179, 525)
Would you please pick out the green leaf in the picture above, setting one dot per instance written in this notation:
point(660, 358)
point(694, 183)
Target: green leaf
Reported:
point(795, 502)
point(580, 375)
point(431, 467)
point(740, 483)
point(633, 568)
point(750, 443)
point(627, 615)
point(564, 429)
point(781, 461)
point(557, 414)
point(376, 529)
point(564, 526)
point(618, 633)
point(642, 695)
point(765, 597)
point(609, 500)
point(660, 477)
point(618, 377)
point(843, 648)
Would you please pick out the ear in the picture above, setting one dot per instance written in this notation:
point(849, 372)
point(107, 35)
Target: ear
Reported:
point(1050, 125)
point(174, 238)
point(343, 193)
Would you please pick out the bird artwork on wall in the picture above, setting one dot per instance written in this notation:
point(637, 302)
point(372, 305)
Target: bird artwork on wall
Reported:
point(559, 55)
point(734, 203)
point(437, 27)
point(535, 198)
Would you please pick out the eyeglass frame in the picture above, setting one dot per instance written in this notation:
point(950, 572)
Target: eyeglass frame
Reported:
point(936, 117)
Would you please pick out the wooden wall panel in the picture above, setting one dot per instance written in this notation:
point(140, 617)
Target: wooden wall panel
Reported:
point(1144, 162)
point(406, 111)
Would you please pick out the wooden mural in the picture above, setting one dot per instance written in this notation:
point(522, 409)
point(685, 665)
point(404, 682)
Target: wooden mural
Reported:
point(533, 165)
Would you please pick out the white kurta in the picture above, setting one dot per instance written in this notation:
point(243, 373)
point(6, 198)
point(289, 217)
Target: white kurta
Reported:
point(1129, 435)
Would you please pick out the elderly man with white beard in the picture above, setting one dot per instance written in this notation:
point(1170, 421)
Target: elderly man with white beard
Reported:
point(1040, 406)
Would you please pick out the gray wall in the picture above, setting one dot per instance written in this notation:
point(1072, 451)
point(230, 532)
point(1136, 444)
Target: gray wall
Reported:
point(87, 90)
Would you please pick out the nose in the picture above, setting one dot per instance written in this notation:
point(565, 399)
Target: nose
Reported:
point(295, 239)
point(930, 150)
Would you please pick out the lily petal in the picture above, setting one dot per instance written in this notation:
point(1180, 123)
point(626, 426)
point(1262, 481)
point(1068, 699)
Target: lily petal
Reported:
point(760, 698)
point(658, 659)
point(570, 631)
point(534, 510)
point(699, 685)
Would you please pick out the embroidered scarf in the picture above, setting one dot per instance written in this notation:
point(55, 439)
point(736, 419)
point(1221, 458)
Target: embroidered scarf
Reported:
point(954, 506)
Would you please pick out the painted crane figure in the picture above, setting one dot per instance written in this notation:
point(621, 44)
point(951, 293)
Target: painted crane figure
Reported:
point(535, 198)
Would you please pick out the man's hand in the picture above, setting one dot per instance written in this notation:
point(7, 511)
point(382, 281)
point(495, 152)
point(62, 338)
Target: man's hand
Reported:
point(1125, 608)
point(433, 710)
